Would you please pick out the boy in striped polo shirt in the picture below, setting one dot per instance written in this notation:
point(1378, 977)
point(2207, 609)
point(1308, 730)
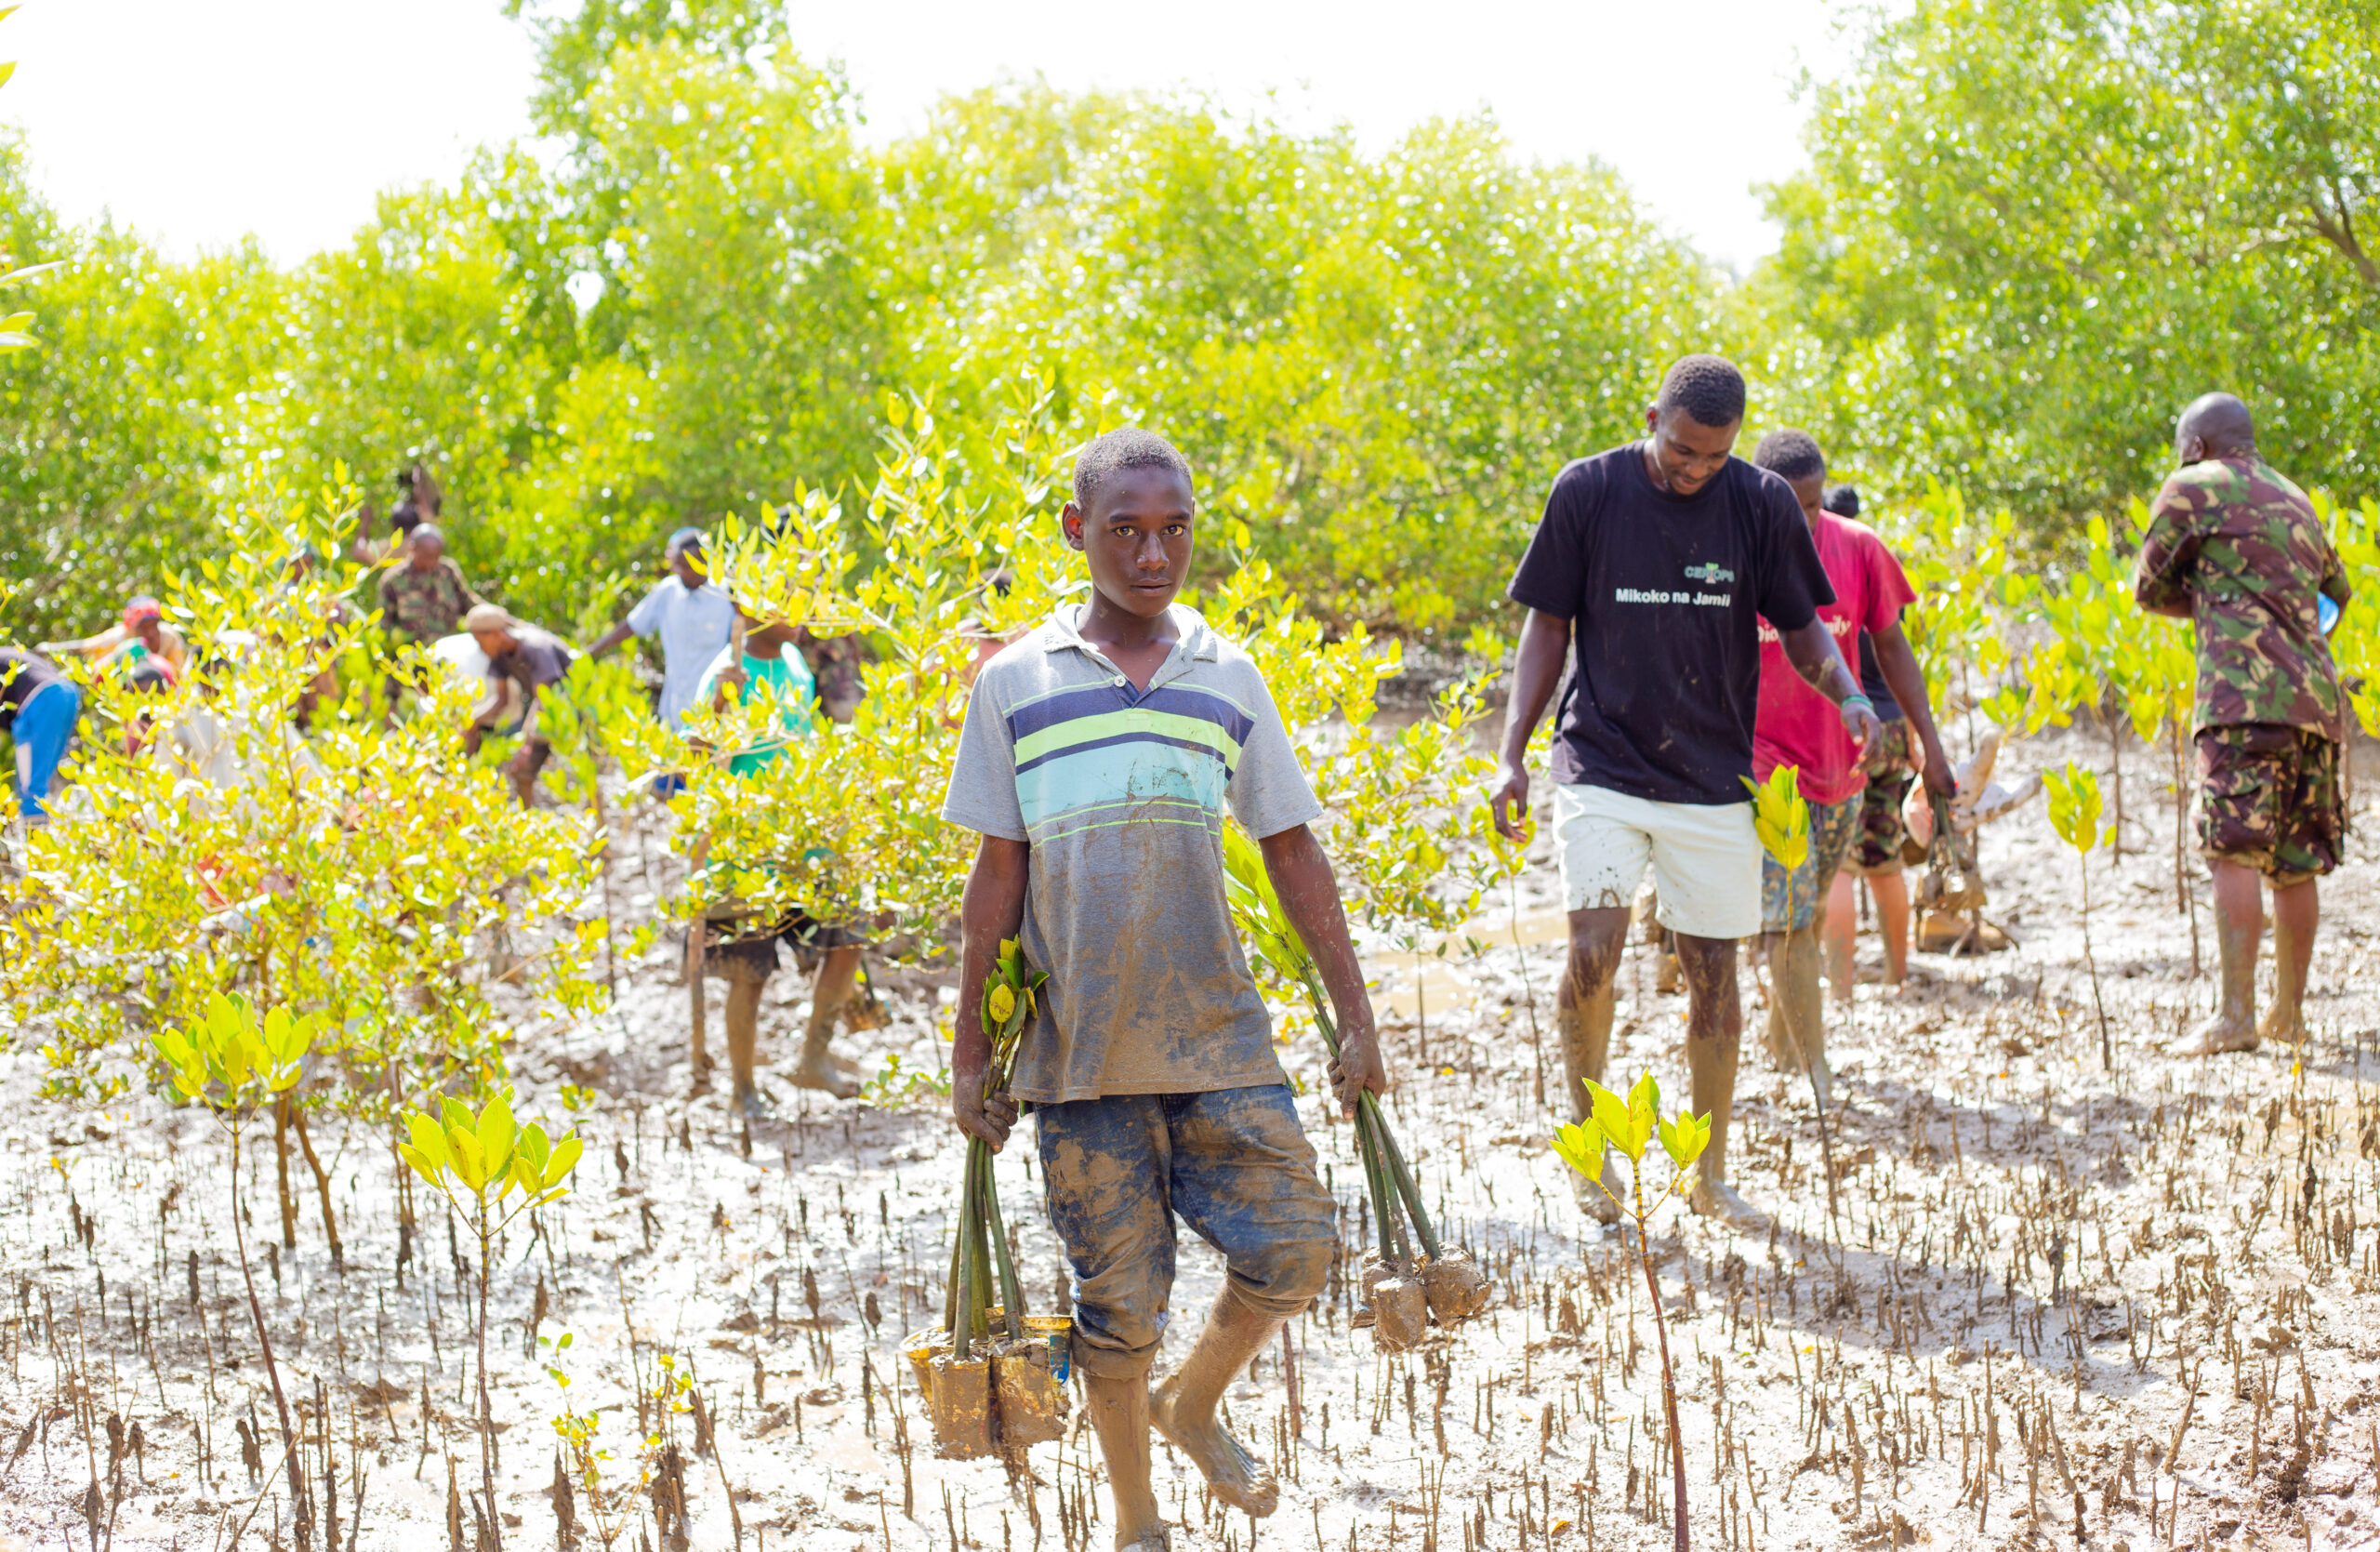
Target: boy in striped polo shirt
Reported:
point(1098, 760)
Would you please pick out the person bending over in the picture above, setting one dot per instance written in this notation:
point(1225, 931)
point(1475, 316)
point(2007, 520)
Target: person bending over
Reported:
point(1652, 569)
point(533, 660)
point(1099, 759)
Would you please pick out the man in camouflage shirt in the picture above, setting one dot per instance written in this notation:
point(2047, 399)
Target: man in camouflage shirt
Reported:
point(2234, 547)
point(424, 597)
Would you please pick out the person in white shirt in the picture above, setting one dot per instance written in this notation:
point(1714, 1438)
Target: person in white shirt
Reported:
point(691, 615)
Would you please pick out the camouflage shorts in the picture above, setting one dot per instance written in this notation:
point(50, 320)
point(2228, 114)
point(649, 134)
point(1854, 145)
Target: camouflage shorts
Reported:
point(1877, 849)
point(1781, 909)
point(2268, 799)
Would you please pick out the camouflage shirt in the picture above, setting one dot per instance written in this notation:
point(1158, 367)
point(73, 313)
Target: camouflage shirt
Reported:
point(2239, 544)
point(423, 605)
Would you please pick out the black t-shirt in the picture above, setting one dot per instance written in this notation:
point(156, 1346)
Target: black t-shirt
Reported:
point(23, 673)
point(1665, 594)
point(1872, 680)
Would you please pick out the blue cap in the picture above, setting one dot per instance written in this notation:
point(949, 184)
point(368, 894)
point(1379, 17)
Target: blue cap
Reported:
point(684, 539)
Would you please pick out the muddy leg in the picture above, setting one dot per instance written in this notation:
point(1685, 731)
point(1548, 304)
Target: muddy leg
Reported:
point(1714, 1026)
point(1890, 892)
point(820, 1068)
point(1583, 1017)
point(1183, 1409)
point(2296, 914)
point(744, 1035)
point(1842, 927)
point(1796, 1009)
point(1119, 1415)
point(2238, 930)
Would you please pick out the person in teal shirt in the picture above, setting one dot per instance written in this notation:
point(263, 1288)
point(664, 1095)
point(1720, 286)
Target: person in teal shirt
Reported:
point(772, 665)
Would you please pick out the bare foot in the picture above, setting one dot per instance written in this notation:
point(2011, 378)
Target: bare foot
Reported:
point(754, 1105)
point(828, 1073)
point(1591, 1199)
point(1157, 1538)
point(2220, 1034)
point(2287, 1027)
point(700, 1083)
point(1716, 1198)
point(1238, 1479)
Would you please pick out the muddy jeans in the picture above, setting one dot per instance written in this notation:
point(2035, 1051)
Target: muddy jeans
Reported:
point(1234, 1164)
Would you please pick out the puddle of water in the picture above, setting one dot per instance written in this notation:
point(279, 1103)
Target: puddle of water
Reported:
point(1442, 981)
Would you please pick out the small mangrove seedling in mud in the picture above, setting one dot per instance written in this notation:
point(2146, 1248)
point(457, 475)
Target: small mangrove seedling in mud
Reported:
point(233, 1062)
point(1631, 1125)
point(1401, 1292)
point(2074, 813)
point(991, 1393)
point(1782, 820)
point(578, 1430)
point(476, 1162)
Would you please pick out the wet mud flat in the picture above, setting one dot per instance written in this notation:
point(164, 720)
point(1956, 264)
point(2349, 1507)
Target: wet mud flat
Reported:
point(2050, 1303)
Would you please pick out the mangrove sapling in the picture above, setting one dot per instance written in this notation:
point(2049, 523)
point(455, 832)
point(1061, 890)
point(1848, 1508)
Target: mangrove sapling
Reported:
point(479, 1161)
point(576, 1430)
point(2074, 813)
point(1451, 1285)
point(1631, 1125)
point(232, 1062)
point(1782, 820)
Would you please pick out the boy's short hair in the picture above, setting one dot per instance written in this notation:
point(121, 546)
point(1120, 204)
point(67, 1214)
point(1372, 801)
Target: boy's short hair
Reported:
point(1707, 387)
point(1126, 447)
point(1792, 453)
point(1842, 500)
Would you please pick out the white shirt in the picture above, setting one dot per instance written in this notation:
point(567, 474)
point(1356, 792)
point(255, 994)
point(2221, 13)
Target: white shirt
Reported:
point(693, 626)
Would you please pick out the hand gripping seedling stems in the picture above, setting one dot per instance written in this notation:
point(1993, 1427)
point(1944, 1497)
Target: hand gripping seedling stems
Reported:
point(1010, 995)
point(1630, 1126)
point(1782, 820)
point(1389, 1180)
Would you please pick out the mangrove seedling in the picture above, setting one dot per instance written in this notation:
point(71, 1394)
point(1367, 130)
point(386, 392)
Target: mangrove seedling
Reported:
point(233, 1062)
point(2074, 813)
point(1630, 1126)
point(476, 1163)
point(1452, 1287)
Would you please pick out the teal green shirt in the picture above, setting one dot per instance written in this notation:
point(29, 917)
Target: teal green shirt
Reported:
point(785, 680)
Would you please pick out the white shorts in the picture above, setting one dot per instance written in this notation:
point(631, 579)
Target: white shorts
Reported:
point(1705, 857)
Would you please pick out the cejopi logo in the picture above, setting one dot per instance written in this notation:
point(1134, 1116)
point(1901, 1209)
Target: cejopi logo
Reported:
point(1707, 573)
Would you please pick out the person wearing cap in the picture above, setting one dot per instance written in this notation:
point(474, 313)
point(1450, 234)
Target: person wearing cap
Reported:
point(141, 633)
point(423, 597)
point(531, 660)
point(691, 615)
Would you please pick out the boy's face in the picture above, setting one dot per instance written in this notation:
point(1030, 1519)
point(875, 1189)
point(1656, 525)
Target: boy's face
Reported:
point(1136, 536)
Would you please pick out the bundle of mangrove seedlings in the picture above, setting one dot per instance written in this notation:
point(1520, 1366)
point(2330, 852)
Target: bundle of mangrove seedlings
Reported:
point(1403, 1291)
point(993, 1376)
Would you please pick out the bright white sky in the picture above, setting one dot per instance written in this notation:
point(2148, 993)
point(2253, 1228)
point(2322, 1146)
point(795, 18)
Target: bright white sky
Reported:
point(199, 123)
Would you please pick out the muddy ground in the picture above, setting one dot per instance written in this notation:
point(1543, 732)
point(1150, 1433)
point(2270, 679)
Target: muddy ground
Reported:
point(2053, 1305)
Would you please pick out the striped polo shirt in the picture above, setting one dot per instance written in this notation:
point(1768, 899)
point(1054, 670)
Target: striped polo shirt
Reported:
point(1122, 795)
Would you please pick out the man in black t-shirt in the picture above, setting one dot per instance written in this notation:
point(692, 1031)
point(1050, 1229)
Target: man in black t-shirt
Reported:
point(1651, 572)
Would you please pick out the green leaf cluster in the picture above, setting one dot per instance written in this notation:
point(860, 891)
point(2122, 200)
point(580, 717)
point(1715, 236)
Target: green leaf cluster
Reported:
point(489, 1155)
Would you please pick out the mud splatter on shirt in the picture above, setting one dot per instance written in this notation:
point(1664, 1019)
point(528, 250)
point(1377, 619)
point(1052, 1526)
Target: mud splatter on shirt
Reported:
point(1121, 795)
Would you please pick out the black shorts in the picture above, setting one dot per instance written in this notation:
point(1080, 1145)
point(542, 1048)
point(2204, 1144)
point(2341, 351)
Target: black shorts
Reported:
point(734, 954)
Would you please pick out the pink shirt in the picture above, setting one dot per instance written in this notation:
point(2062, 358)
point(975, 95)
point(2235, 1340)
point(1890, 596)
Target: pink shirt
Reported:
point(1798, 726)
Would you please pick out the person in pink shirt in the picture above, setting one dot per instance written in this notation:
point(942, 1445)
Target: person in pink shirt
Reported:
point(1797, 727)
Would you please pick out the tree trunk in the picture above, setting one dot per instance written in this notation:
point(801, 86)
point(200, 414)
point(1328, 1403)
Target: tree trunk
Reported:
point(322, 1187)
point(280, 1172)
point(298, 1505)
point(487, 1408)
